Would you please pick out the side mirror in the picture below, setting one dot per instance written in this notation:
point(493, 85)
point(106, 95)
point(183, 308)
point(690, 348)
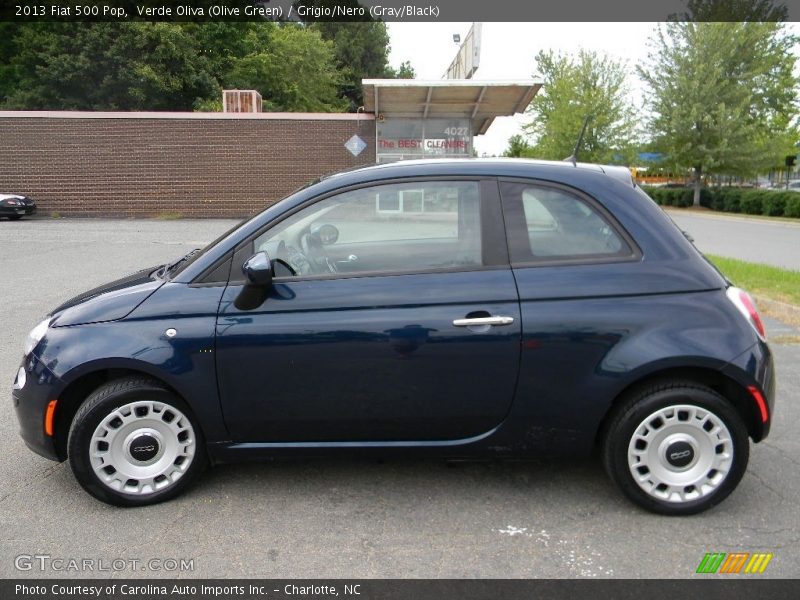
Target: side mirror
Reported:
point(258, 270)
point(258, 281)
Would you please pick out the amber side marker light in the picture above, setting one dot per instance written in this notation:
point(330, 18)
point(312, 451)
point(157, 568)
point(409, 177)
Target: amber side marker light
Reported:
point(762, 404)
point(49, 417)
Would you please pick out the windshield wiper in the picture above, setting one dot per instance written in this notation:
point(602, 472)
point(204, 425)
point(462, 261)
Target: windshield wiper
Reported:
point(170, 268)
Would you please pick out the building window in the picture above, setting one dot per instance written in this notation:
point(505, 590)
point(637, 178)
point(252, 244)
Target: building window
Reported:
point(404, 138)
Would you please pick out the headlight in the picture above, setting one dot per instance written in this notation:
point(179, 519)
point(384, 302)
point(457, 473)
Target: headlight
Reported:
point(36, 335)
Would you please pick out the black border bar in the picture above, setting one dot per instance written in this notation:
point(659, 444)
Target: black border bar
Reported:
point(708, 588)
point(386, 10)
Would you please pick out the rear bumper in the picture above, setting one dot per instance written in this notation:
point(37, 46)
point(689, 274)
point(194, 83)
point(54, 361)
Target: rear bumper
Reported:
point(30, 404)
point(756, 368)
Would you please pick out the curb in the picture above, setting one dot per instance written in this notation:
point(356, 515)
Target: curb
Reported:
point(718, 214)
point(774, 305)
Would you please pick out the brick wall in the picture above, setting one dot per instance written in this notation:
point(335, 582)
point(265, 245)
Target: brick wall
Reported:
point(150, 165)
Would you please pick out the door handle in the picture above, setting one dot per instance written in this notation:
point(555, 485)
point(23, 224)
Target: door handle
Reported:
point(483, 321)
point(350, 259)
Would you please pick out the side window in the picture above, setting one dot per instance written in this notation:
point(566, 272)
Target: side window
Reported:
point(552, 224)
point(407, 227)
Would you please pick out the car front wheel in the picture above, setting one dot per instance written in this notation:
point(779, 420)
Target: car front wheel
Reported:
point(133, 442)
point(676, 448)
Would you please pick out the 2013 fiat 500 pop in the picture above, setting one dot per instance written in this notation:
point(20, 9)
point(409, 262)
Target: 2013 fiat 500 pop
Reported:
point(464, 309)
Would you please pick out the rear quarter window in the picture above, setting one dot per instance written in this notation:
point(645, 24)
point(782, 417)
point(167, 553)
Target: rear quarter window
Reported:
point(549, 224)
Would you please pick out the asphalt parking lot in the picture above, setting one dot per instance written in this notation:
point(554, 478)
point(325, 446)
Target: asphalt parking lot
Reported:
point(326, 519)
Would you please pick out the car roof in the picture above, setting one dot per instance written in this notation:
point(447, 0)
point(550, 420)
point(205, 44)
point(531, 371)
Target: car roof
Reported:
point(508, 167)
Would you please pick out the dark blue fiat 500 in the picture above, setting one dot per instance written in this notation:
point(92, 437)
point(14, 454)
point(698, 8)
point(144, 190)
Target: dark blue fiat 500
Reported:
point(465, 309)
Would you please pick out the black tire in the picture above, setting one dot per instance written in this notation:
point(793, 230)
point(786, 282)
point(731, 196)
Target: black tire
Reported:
point(632, 413)
point(99, 405)
point(14, 217)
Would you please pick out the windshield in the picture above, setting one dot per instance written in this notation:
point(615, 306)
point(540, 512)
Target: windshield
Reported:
point(179, 265)
point(182, 263)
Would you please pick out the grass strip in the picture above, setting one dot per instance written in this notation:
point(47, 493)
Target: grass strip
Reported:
point(761, 280)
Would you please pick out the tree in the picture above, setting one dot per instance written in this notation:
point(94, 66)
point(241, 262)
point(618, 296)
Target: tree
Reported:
point(8, 32)
point(106, 66)
point(518, 147)
point(362, 51)
point(723, 96)
point(222, 43)
point(292, 67)
point(405, 71)
point(183, 66)
point(574, 88)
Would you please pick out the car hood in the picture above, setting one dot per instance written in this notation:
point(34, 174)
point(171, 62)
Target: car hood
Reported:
point(109, 302)
point(12, 197)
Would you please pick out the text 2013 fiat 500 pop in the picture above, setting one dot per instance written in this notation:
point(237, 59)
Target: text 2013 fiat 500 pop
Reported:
point(464, 309)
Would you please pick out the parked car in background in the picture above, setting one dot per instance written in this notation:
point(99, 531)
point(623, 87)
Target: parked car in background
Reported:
point(463, 309)
point(16, 206)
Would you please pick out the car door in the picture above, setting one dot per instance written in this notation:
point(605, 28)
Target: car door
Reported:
point(583, 291)
point(384, 322)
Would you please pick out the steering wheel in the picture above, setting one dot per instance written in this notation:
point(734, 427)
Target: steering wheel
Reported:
point(286, 261)
point(283, 264)
point(295, 261)
point(311, 246)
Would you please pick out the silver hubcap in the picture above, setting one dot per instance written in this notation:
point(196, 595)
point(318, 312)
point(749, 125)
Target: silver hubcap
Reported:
point(142, 447)
point(680, 453)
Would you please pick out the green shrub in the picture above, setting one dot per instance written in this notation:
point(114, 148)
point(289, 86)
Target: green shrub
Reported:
point(792, 205)
point(683, 197)
point(675, 196)
point(706, 194)
point(752, 202)
point(655, 194)
point(730, 199)
point(774, 204)
point(649, 190)
point(717, 198)
point(733, 200)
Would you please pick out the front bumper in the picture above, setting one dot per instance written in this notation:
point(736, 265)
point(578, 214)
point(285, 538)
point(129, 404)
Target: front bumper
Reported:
point(30, 404)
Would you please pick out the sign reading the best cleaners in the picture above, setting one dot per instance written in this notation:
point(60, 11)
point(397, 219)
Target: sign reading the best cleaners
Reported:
point(424, 137)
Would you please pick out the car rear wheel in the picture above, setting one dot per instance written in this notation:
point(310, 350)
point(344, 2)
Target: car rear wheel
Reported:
point(676, 448)
point(133, 443)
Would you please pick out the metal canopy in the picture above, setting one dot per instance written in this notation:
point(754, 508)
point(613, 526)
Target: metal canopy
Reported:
point(480, 101)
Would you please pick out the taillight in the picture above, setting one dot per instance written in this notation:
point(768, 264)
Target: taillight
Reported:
point(747, 307)
point(760, 402)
